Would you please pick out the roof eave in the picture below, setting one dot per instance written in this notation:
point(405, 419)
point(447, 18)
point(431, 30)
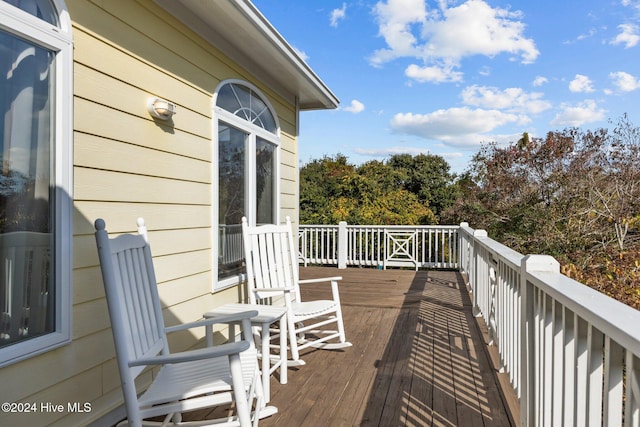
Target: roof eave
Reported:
point(238, 29)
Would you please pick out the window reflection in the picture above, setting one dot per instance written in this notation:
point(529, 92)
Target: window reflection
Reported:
point(231, 196)
point(265, 167)
point(26, 210)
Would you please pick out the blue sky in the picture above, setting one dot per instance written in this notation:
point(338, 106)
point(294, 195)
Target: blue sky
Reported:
point(445, 76)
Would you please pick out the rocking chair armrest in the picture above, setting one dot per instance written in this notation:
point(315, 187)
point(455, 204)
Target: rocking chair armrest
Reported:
point(225, 318)
point(321, 279)
point(193, 355)
point(282, 289)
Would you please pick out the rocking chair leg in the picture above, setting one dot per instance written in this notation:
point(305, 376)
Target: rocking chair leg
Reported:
point(242, 406)
point(295, 355)
point(343, 336)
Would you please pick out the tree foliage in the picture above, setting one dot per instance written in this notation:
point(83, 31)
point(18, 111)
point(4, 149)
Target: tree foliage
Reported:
point(570, 191)
point(403, 190)
point(572, 194)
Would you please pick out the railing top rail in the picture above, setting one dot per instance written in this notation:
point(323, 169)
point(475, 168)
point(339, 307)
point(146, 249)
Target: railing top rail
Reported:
point(389, 227)
point(617, 320)
point(406, 227)
point(510, 256)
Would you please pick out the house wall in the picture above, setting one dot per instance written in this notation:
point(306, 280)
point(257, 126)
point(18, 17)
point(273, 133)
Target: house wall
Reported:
point(125, 166)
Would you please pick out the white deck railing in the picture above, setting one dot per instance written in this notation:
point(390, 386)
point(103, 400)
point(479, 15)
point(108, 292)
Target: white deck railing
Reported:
point(379, 246)
point(571, 353)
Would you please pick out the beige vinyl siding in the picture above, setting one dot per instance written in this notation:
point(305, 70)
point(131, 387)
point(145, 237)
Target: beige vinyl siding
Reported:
point(289, 179)
point(127, 165)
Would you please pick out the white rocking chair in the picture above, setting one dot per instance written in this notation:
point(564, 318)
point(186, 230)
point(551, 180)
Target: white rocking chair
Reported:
point(271, 257)
point(185, 381)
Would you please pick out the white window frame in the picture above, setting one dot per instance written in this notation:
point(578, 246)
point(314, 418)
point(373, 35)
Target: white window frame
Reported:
point(253, 131)
point(57, 39)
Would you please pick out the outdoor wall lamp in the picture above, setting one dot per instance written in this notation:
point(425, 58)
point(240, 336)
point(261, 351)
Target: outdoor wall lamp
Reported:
point(161, 108)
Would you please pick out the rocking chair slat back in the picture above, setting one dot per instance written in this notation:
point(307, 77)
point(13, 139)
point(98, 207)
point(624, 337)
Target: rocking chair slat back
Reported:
point(272, 262)
point(133, 305)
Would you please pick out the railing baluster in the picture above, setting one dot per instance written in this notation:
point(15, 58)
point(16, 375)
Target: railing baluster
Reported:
point(581, 328)
point(613, 380)
point(632, 403)
point(569, 344)
point(596, 368)
point(557, 364)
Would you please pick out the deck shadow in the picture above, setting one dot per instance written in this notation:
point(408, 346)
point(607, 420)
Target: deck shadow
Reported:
point(434, 371)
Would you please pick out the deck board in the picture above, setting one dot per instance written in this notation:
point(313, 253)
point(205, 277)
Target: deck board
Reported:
point(419, 358)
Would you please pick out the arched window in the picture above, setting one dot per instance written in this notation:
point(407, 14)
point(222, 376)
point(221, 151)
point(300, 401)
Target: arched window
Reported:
point(36, 96)
point(248, 141)
point(244, 102)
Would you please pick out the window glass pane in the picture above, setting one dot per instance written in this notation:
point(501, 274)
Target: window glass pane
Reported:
point(246, 104)
point(227, 99)
point(43, 9)
point(267, 121)
point(243, 95)
point(231, 198)
point(26, 209)
point(265, 176)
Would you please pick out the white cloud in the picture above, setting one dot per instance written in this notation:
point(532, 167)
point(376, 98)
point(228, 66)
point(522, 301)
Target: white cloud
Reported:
point(539, 81)
point(577, 115)
point(628, 36)
point(485, 71)
point(581, 84)
point(355, 107)
point(395, 19)
point(635, 4)
point(454, 126)
point(301, 53)
point(592, 32)
point(433, 74)
point(512, 99)
point(338, 15)
point(390, 151)
point(474, 28)
point(442, 37)
point(624, 81)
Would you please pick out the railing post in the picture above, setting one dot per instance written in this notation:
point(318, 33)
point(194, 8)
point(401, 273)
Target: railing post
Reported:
point(462, 247)
point(530, 263)
point(475, 285)
point(342, 244)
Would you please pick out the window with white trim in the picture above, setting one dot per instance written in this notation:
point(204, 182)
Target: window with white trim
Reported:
point(247, 152)
point(36, 124)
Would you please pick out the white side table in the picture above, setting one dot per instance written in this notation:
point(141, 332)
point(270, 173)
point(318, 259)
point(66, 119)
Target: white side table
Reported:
point(267, 315)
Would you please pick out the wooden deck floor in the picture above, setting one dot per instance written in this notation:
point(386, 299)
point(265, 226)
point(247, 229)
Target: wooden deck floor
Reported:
point(418, 358)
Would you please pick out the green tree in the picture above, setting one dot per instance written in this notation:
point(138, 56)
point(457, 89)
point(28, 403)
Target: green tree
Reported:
point(427, 176)
point(333, 190)
point(321, 181)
